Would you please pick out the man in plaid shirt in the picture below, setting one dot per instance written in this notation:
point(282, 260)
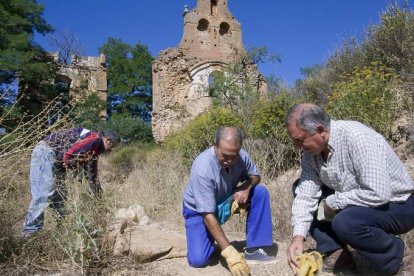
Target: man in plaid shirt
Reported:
point(353, 190)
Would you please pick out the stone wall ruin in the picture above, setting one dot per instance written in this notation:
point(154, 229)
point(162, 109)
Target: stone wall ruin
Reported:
point(84, 76)
point(211, 39)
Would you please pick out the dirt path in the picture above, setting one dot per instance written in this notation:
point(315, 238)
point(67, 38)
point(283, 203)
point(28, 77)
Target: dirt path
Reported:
point(179, 266)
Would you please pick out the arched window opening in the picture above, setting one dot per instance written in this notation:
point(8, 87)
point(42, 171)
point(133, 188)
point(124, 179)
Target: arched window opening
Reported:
point(224, 28)
point(202, 25)
point(214, 79)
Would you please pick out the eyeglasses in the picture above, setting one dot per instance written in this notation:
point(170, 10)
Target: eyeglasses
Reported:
point(298, 141)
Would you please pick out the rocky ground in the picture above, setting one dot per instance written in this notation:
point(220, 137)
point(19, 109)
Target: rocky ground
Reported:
point(180, 267)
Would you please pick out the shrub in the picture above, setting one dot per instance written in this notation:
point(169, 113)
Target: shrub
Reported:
point(365, 95)
point(130, 128)
point(268, 116)
point(392, 41)
point(316, 85)
point(199, 133)
point(125, 158)
point(268, 142)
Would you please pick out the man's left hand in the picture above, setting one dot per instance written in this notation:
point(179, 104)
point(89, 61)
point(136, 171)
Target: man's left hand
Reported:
point(242, 194)
point(329, 212)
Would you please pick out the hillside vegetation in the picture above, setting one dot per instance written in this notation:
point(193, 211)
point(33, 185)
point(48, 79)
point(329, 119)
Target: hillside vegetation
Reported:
point(369, 79)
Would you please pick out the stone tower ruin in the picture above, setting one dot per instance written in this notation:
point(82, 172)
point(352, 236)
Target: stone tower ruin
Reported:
point(211, 38)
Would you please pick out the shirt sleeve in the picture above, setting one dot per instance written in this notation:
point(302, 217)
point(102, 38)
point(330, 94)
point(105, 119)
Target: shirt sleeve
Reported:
point(91, 169)
point(204, 195)
point(250, 166)
point(305, 202)
point(369, 162)
point(91, 173)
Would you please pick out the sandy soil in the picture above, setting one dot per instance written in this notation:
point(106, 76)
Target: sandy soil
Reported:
point(180, 267)
point(218, 267)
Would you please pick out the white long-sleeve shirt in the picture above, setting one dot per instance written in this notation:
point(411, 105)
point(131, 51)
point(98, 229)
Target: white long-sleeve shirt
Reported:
point(362, 169)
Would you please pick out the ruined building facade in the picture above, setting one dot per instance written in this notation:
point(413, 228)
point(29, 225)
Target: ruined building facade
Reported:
point(211, 38)
point(84, 76)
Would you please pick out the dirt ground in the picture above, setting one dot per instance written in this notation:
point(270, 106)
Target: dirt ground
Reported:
point(218, 267)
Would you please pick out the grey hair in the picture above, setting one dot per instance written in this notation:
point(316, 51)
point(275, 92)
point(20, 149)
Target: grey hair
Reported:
point(112, 135)
point(223, 133)
point(308, 117)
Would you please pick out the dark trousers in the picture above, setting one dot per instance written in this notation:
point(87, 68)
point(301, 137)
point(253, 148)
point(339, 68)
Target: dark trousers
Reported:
point(370, 231)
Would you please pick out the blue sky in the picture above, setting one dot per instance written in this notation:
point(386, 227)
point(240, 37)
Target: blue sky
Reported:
point(302, 32)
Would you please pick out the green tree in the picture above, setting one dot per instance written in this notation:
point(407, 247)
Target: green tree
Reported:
point(129, 78)
point(19, 55)
point(21, 59)
point(236, 86)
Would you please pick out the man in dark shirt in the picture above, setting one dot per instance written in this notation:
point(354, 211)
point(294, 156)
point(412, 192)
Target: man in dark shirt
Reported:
point(56, 153)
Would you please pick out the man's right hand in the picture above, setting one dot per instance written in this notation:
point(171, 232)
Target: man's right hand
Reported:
point(235, 262)
point(295, 248)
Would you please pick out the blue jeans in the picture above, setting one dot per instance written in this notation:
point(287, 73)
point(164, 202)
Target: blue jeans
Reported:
point(46, 186)
point(370, 231)
point(258, 228)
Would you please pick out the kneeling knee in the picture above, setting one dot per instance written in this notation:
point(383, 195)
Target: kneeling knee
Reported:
point(197, 262)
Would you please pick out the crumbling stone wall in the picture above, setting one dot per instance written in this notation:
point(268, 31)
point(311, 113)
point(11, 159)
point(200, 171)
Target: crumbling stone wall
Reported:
point(88, 71)
point(83, 76)
point(88, 75)
point(211, 39)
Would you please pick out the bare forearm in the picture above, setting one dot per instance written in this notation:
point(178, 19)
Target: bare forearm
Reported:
point(215, 230)
point(253, 180)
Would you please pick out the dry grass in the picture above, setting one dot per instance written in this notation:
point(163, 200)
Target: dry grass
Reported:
point(72, 245)
point(159, 177)
point(271, 156)
point(156, 183)
point(152, 177)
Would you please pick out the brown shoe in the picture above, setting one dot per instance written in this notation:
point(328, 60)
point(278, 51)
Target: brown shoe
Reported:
point(340, 259)
point(407, 265)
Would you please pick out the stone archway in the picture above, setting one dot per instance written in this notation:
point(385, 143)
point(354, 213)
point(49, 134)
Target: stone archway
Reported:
point(198, 97)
